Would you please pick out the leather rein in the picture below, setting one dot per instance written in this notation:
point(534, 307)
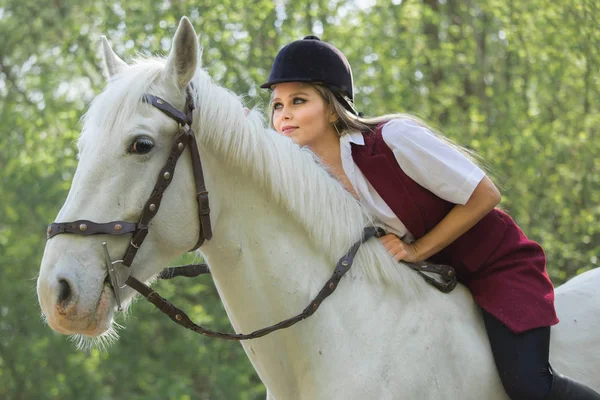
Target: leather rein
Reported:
point(185, 138)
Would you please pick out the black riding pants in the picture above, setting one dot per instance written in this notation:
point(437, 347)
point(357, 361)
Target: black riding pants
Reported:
point(522, 362)
point(521, 359)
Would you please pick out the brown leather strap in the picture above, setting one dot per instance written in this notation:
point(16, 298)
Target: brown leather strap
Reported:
point(188, 271)
point(85, 228)
point(165, 177)
point(168, 109)
point(201, 195)
point(185, 138)
point(446, 273)
point(182, 319)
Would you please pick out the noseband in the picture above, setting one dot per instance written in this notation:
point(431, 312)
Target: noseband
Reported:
point(120, 277)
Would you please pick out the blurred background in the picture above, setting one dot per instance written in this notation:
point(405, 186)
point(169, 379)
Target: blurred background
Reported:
point(516, 81)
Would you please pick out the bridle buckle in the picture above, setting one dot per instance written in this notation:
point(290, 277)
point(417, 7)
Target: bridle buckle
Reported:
point(116, 281)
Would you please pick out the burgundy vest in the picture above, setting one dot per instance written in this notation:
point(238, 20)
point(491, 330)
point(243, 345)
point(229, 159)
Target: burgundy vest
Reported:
point(505, 271)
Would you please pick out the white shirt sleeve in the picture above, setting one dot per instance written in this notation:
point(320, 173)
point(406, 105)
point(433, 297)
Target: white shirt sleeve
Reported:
point(431, 162)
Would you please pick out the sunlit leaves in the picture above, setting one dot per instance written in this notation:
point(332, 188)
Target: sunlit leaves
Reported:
point(518, 82)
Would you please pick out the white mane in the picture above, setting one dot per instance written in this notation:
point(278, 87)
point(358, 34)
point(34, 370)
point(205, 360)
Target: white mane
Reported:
point(293, 176)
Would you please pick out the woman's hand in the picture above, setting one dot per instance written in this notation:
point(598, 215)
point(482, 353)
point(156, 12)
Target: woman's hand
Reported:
point(398, 249)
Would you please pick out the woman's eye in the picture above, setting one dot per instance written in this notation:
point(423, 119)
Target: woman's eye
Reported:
point(295, 101)
point(141, 145)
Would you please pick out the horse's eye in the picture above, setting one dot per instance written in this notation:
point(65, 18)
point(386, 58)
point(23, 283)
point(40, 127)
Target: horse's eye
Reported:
point(141, 145)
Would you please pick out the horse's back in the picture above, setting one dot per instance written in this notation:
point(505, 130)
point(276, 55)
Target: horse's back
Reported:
point(575, 343)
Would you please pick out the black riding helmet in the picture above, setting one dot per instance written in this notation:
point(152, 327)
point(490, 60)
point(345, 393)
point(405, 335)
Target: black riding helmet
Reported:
point(315, 61)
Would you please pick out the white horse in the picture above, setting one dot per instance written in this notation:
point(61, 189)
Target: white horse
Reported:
point(280, 223)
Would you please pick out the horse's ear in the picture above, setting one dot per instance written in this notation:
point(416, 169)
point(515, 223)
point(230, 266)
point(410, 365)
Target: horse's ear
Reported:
point(183, 59)
point(112, 63)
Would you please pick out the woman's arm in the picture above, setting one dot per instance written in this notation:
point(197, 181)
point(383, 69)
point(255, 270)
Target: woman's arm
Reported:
point(460, 219)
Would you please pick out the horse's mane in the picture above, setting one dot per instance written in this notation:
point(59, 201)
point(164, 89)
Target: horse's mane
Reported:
point(292, 176)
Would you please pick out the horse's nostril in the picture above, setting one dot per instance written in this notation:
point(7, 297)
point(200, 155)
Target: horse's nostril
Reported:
point(64, 291)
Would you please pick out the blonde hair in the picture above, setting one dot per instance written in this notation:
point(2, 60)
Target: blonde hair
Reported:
point(349, 122)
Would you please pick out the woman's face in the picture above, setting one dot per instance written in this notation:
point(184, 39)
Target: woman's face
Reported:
point(300, 113)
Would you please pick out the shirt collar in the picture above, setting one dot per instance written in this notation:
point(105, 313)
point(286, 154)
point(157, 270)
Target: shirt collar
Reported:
point(354, 137)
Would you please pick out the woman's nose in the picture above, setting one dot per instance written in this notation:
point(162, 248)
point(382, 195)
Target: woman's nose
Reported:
point(285, 114)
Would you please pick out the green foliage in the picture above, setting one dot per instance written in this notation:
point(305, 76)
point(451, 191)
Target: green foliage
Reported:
point(518, 82)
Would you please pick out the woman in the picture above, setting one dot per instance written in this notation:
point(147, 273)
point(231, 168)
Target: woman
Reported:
point(435, 202)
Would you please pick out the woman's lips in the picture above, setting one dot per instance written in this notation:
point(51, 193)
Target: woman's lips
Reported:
point(289, 129)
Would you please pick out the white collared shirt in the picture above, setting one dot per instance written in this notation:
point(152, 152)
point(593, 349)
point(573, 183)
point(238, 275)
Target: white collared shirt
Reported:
point(425, 158)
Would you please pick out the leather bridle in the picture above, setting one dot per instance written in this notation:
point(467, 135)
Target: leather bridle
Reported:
point(185, 138)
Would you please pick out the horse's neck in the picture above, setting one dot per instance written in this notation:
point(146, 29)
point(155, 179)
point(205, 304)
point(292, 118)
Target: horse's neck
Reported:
point(262, 261)
point(267, 269)
point(259, 250)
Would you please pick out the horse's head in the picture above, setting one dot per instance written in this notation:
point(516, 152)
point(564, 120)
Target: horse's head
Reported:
point(124, 144)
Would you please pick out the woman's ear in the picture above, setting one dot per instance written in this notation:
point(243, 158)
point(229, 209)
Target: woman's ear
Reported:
point(333, 117)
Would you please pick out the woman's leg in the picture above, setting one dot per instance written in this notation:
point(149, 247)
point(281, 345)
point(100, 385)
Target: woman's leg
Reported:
point(522, 362)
